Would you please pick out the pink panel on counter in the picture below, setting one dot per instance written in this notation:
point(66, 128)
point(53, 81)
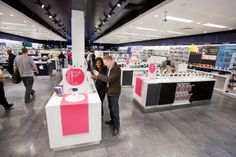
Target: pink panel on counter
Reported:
point(138, 86)
point(74, 116)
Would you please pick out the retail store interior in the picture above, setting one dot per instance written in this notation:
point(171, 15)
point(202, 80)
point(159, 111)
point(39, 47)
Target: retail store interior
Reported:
point(117, 78)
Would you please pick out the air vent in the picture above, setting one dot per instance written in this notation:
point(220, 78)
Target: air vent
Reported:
point(186, 28)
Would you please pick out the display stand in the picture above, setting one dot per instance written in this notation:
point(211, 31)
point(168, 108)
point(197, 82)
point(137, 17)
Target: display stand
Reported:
point(165, 94)
point(74, 123)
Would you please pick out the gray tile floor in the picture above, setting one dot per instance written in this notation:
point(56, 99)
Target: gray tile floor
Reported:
point(202, 131)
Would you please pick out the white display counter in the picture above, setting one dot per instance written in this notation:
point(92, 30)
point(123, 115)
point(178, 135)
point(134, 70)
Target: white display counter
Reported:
point(128, 75)
point(222, 81)
point(163, 94)
point(57, 138)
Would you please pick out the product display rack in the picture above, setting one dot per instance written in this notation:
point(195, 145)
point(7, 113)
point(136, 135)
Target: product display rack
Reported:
point(179, 55)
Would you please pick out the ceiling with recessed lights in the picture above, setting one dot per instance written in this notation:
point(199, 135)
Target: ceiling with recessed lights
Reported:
point(174, 18)
point(15, 22)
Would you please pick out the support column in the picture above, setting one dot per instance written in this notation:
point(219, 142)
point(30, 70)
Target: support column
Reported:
point(78, 38)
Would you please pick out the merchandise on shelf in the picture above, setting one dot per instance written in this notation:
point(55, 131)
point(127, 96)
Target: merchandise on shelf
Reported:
point(179, 54)
point(183, 92)
point(3, 52)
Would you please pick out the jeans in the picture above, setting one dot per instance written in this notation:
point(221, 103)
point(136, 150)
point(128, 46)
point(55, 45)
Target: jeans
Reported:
point(28, 83)
point(114, 111)
point(3, 100)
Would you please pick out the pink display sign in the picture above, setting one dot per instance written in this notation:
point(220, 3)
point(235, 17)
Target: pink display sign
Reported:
point(138, 86)
point(74, 116)
point(75, 76)
point(152, 68)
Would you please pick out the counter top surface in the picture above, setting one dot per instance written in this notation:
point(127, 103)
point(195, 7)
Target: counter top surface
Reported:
point(198, 79)
point(134, 69)
point(212, 73)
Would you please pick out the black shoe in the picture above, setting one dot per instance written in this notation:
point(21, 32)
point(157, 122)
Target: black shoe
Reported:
point(109, 122)
point(115, 132)
point(32, 93)
point(28, 101)
point(9, 107)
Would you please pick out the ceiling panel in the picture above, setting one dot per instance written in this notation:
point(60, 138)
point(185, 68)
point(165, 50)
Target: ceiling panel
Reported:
point(197, 13)
point(15, 22)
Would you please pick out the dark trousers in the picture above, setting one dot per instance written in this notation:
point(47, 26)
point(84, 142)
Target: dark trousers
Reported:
point(10, 70)
point(102, 93)
point(28, 83)
point(3, 100)
point(113, 103)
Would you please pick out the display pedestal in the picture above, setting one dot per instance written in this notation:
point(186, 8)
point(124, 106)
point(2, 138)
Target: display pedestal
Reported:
point(76, 138)
point(56, 138)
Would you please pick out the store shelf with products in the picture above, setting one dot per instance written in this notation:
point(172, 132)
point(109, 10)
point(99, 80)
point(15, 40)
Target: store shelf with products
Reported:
point(3, 54)
point(179, 54)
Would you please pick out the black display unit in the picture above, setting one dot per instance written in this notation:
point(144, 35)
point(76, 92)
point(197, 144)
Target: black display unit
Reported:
point(202, 90)
point(164, 93)
point(160, 94)
point(127, 78)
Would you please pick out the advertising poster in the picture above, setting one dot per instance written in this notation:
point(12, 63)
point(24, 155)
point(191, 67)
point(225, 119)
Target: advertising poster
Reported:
point(226, 57)
point(209, 54)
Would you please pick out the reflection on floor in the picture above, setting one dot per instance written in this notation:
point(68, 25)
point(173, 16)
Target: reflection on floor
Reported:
point(203, 131)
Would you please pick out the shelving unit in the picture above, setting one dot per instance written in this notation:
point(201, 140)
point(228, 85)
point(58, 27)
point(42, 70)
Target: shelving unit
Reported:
point(179, 55)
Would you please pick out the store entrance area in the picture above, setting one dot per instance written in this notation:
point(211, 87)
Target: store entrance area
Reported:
point(200, 131)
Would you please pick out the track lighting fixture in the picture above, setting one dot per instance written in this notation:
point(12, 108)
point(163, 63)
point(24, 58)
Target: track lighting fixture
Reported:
point(119, 4)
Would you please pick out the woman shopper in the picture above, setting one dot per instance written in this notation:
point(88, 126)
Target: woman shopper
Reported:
point(3, 100)
point(100, 85)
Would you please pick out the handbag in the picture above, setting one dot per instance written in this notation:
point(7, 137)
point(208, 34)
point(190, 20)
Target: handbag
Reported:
point(16, 77)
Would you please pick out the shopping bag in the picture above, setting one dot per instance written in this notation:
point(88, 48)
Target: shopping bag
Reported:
point(16, 77)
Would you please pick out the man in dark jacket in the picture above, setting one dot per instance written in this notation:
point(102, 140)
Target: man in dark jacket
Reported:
point(114, 89)
point(11, 59)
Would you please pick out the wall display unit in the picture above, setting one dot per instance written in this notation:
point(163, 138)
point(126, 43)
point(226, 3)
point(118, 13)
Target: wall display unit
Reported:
point(3, 52)
point(179, 54)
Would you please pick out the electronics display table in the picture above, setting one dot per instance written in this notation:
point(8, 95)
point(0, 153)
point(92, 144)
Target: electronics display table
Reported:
point(62, 129)
point(164, 94)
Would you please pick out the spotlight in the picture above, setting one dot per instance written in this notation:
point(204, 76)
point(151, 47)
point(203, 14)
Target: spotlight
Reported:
point(119, 4)
point(50, 16)
point(109, 15)
point(42, 6)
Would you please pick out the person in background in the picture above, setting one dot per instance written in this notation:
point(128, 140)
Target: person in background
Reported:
point(62, 58)
point(11, 59)
point(114, 89)
point(26, 68)
point(101, 86)
point(89, 61)
point(167, 63)
point(3, 100)
point(93, 59)
point(69, 57)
